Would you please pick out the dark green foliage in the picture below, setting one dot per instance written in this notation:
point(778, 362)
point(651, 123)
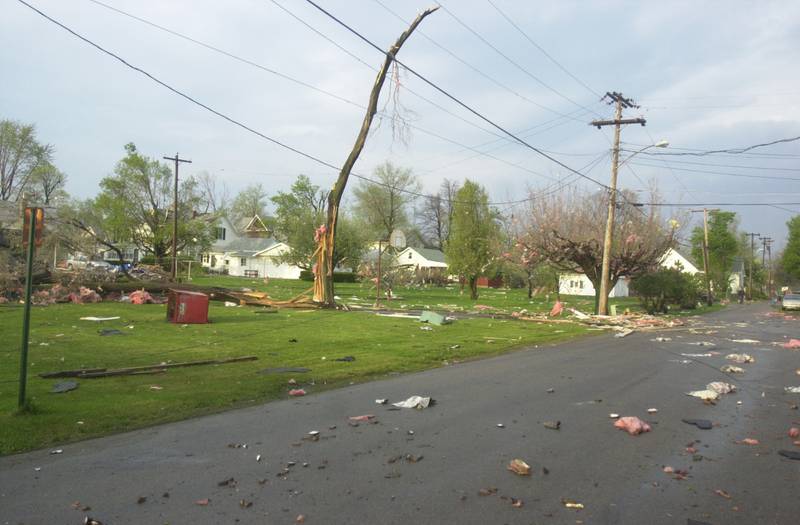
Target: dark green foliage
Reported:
point(657, 290)
point(338, 277)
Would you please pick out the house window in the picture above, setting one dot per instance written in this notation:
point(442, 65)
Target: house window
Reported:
point(220, 233)
point(242, 261)
point(227, 262)
point(409, 255)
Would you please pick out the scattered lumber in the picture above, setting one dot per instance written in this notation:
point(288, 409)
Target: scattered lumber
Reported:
point(134, 370)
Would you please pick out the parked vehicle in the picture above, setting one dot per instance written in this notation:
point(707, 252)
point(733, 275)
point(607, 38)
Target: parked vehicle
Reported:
point(791, 301)
point(81, 262)
point(77, 262)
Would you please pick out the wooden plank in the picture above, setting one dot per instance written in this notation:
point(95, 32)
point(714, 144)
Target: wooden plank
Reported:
point(104, 372)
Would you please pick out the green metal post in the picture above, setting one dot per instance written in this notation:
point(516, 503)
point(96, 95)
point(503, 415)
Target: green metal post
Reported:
point(26, 319)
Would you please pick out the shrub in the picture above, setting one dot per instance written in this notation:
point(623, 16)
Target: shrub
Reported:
point(657, 290)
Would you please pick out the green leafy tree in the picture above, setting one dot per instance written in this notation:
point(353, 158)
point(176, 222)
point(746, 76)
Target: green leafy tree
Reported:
point(474, 235)
point(136, 206)
point(299, 212)
point(251, 201)
point(790, 261)
point(723, 247)
point(47, 184)
point(20, 155)
point(385, 206)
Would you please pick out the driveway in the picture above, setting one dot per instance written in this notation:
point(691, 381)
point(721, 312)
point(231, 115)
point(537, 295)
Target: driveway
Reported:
point(447, 463)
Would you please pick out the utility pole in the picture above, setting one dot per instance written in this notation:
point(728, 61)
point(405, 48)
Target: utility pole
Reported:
point(620, 102)
point(768, 265)
point(752, 257)
point(177, 160)
point(709, 299)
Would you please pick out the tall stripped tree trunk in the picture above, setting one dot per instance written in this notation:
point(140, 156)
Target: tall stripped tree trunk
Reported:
point(323, 277)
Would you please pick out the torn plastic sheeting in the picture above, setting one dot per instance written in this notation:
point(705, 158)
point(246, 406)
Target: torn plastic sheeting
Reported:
point(632, 425)
point(721, 388)
point(740, 358)
point(792, 389)
point(705, 395)
point(418, 402)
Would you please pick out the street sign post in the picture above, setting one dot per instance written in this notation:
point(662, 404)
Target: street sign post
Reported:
point(32, 237)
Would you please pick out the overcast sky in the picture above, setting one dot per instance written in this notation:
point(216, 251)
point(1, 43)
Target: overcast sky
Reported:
point(708, 75)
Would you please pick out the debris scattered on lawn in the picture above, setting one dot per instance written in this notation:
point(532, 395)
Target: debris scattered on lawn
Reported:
point(552, 425)
point(364, 418)
point(740, 358)
point(652, 410)
point(64, 386)
point(141, 499)
point(624, 332)
point(487, 492)
point(697, 355)
point(500, 425)
point(202, 502)
point(519, 467)
point(732, 369)
point(109, 331)
point(433, 318)
point(300, 519)
point(746, 341)
point(702, 343)
point(662, 339)
point(570, 504)
point(61, 451)
point(285, 370)
point(792, 343)
point(291, 382)
point(381, 401)
point(557, 309)
point(791, 454)
point(91, 521)
point(516, 503)
point(748, 441)
point(297, 392)
point(231, 303)
point(551, 390)
point(613, 415)
point(258, 458)
point(426, 328)
point(142, 297)
point(99, 318)
point(346, 359)
point(632, 425)
point(229, 482)
point(77, 505)
point(722, 493)
point(703, 424)
point(792, 389)
point(721, 388)
point(418, 402)
point(794, 432)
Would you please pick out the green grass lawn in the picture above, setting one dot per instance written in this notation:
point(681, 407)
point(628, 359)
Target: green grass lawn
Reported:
point(381, 345)
point(446, 298)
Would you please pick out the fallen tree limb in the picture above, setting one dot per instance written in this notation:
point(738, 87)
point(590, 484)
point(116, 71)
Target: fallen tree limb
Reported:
point(104, 372)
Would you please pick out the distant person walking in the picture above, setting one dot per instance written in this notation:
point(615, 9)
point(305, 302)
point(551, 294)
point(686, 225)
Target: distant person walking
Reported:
point(741, 295)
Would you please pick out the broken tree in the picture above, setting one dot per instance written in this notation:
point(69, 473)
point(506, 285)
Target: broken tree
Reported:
point(326, 234)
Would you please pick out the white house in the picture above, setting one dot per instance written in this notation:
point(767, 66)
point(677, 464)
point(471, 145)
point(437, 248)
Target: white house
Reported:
point(422, 258)
point(579, 284)
point(249, 251)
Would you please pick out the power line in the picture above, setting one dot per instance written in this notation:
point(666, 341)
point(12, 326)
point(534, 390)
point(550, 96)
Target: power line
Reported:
point(373, 69)
point(214, 111)
point(454, 99)
point(472, 67)
point(307, 85)
point(724, 173)
point(512, 61)
point(545, 53)
point(684, 204)
point(737, 166)
point(702, 153)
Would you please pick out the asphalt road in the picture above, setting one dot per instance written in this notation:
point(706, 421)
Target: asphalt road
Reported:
point(349, 478)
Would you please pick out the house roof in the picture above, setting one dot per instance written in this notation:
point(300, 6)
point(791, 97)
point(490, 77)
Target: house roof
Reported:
point(246, 246)
point(431, 254)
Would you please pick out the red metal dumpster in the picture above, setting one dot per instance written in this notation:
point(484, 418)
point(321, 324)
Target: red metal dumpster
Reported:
point(187, 307)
